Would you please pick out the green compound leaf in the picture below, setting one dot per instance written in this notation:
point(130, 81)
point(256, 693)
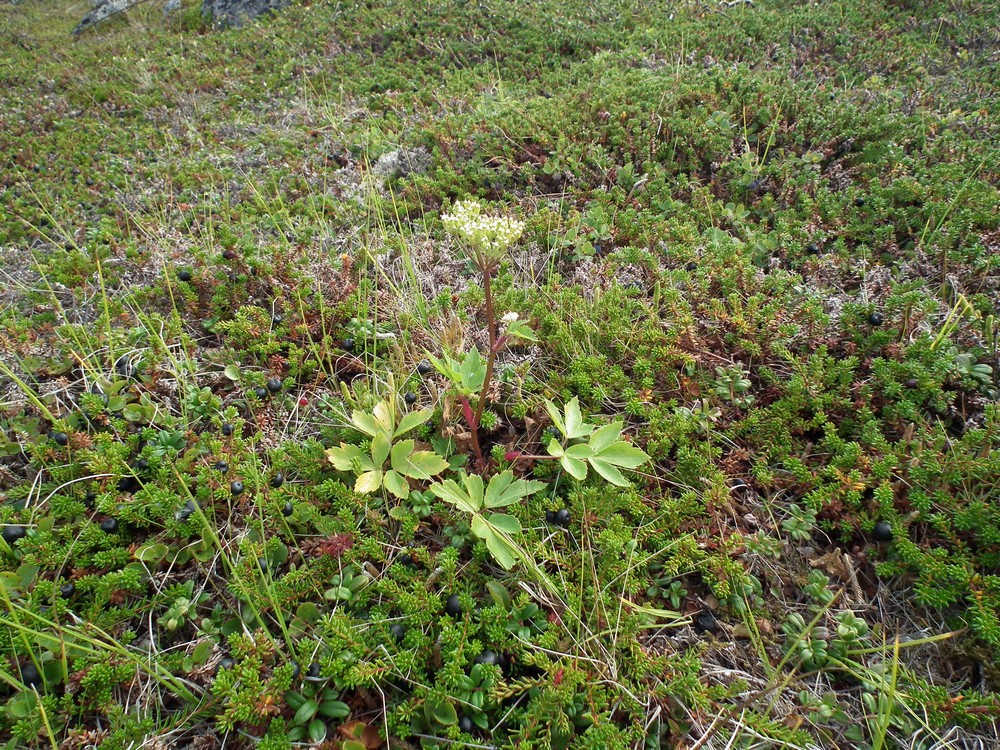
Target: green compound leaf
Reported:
point(504, 490)
point(412, 420)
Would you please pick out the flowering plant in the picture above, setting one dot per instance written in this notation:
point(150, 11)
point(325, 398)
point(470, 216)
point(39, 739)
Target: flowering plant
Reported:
point(487, 237)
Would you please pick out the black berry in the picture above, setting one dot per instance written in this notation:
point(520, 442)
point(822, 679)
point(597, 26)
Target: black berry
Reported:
point(277, 480)
point(296, 670)
point(487, 657)
point(876, 319)
point(30, 676)
point(262, 564)
point(705, 622)
point(184, 275)
point(287, 509)
point(313, 672)
point(550, 516)
point(187, 511)
point(141, 465)
point(812, 248)
point(109, 525)
point(229, 255)
point(227, 662)
point(563, 518)
point(222, 466)
point(260, 391)
point(128, 484)
point(406, 558)
point(424, 367)
point(911, 383)
point(466, 725)
point(67, 590)
point(61, 438)
point(409, 397)
point(347, 345)
point(692, 266)
point(859, 202)
point(398, 631)
point(277, 318)
point(236, 488)
point(453, 606)
point(274, 385)
point(12, 533)
point(882, 532)
point(228, 429)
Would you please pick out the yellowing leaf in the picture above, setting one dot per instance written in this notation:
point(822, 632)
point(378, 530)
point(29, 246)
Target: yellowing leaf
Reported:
point(368, 482)
point(365, 423)
point(380, 449)
point(396, 484)
point(344, 457)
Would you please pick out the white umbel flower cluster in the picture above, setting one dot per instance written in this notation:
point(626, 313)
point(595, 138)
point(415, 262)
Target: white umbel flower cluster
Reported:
point(489, 235)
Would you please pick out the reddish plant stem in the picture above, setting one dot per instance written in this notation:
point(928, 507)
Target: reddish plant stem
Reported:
point(491, 357)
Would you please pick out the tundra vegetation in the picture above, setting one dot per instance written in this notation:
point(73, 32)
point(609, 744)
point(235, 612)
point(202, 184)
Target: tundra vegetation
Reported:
point(549, 374)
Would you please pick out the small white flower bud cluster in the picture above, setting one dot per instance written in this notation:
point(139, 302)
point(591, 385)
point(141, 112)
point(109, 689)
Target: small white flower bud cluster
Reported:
point(490, 235)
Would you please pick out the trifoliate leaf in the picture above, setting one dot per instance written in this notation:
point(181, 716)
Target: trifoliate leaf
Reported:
point(503, 490)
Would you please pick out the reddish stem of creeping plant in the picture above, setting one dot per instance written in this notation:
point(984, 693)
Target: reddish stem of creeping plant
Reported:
point(521, 456)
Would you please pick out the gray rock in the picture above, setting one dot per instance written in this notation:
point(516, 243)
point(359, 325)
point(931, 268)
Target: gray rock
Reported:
point(402, 163)
point(102, 10)
point(238, 12)
point(222, 12)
